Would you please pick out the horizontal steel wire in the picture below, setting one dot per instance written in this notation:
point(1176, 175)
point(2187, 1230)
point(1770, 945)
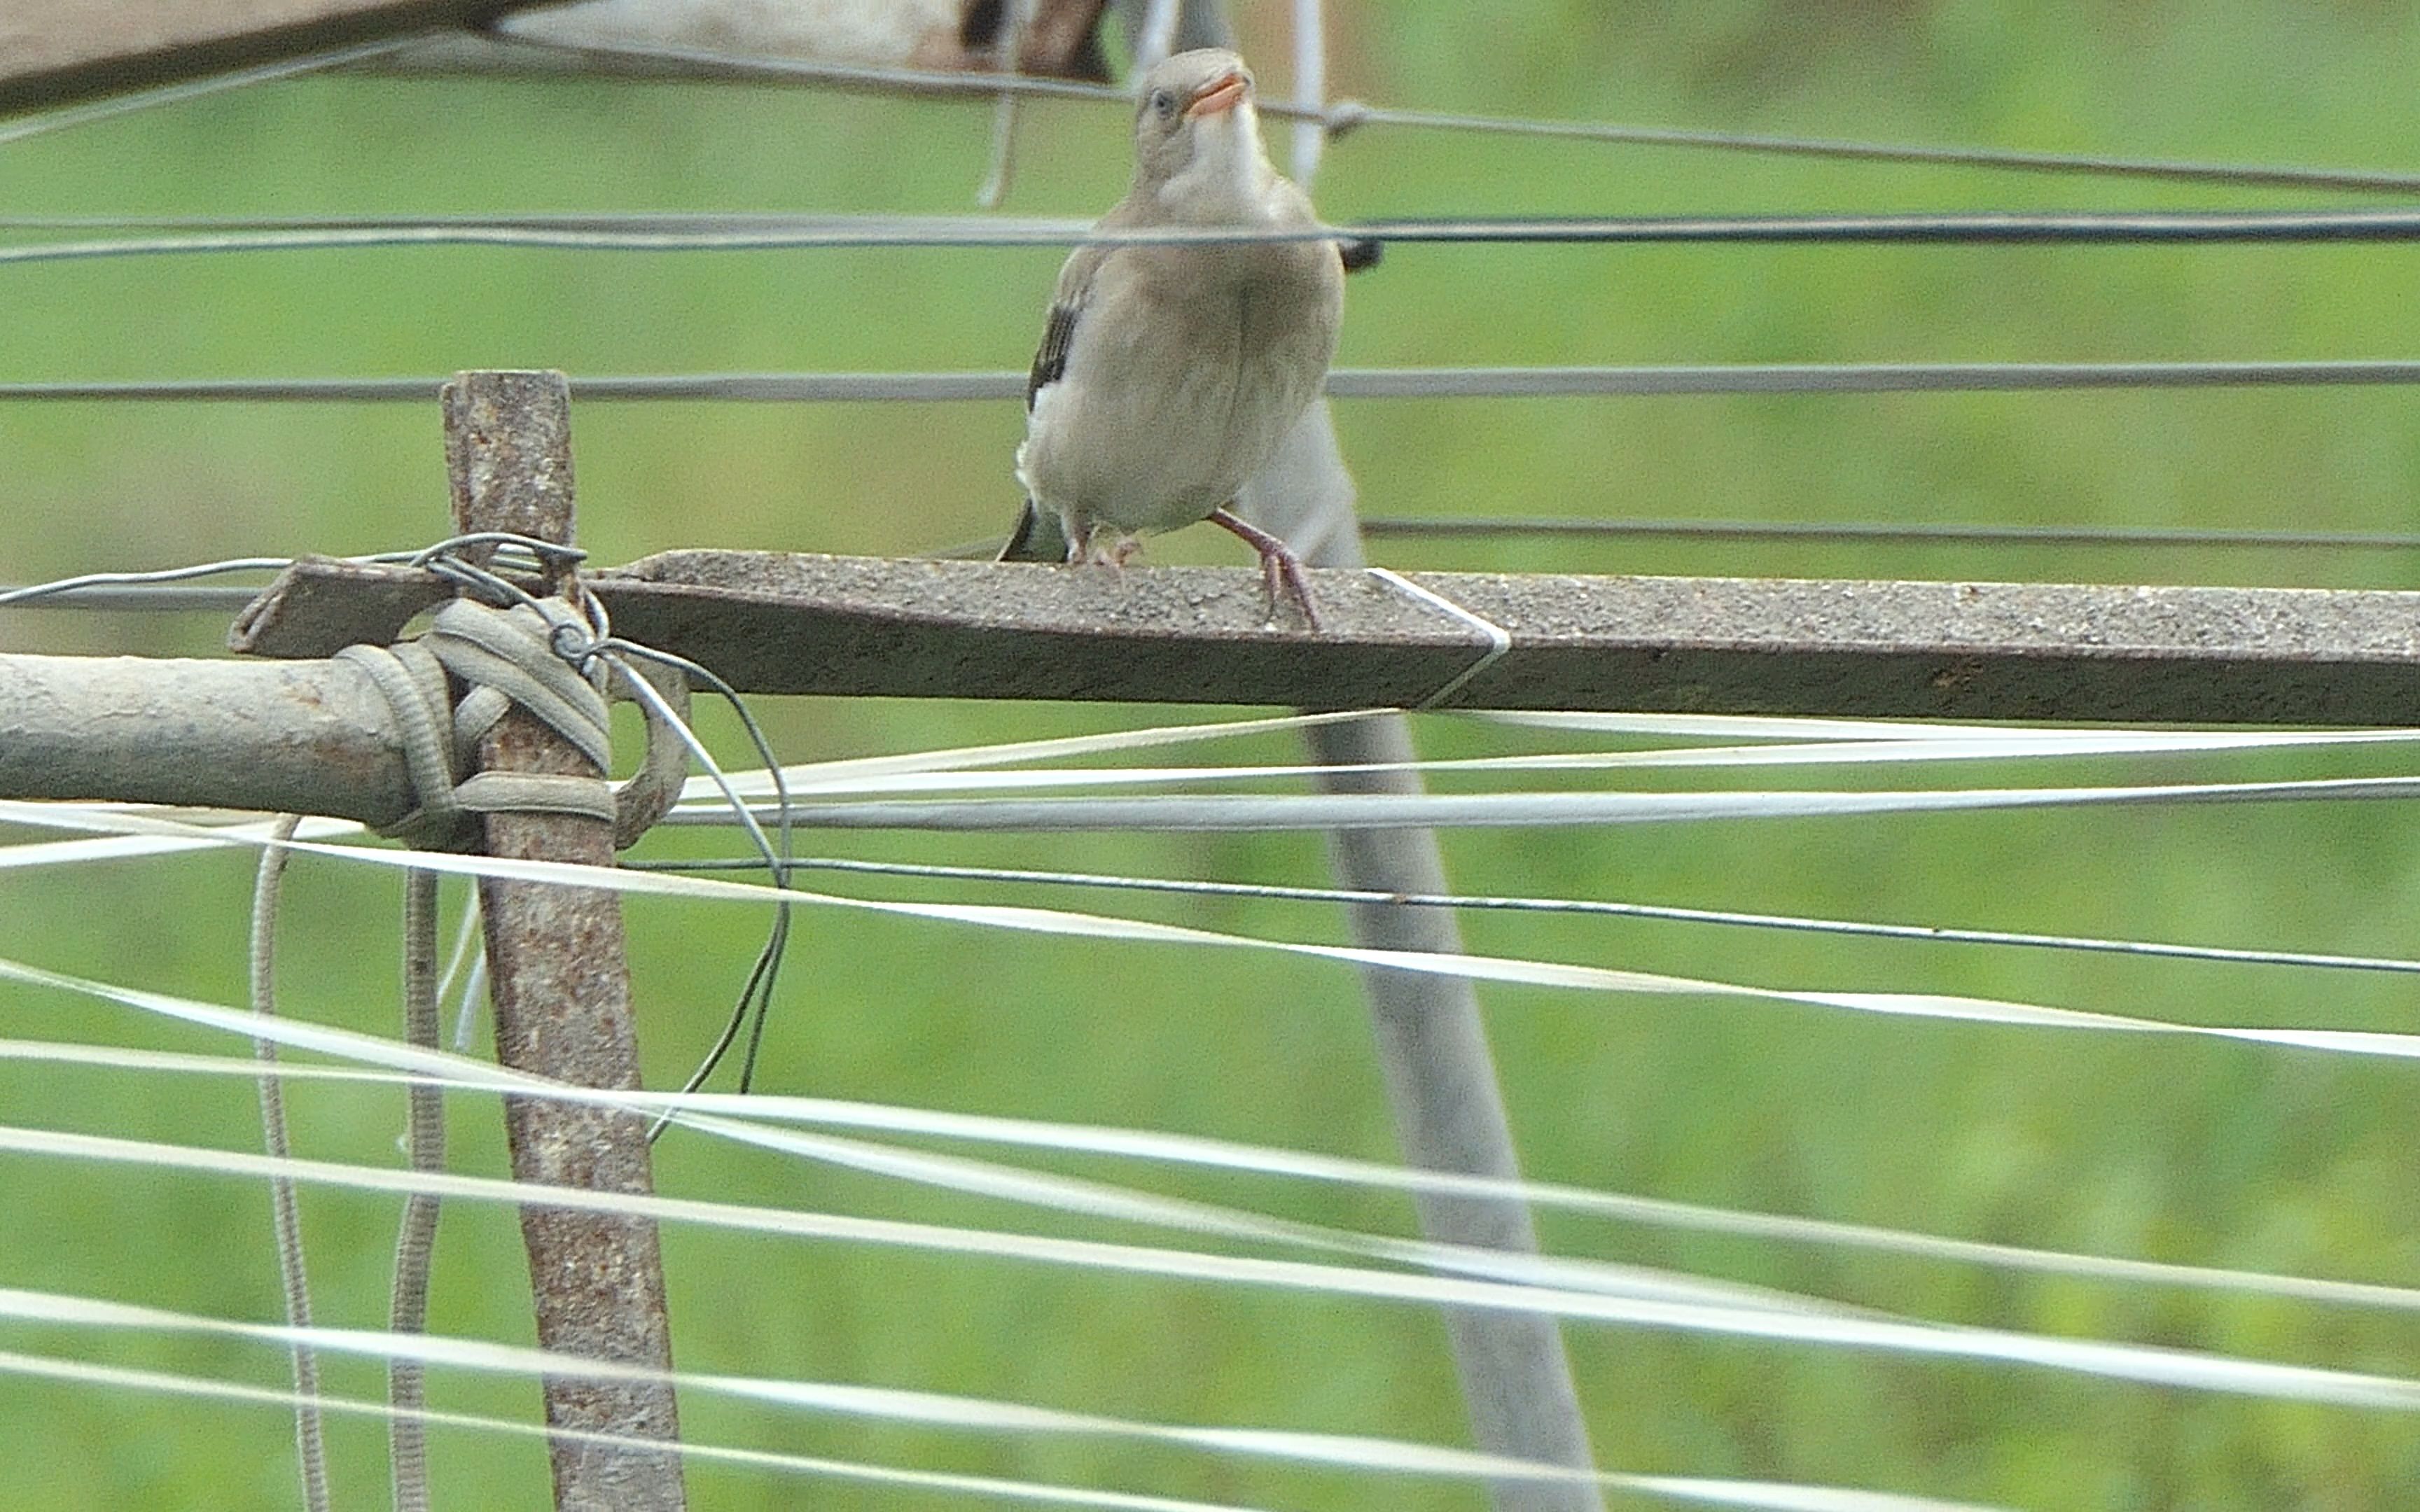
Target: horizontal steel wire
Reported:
point(600, 222)
point(117, 597)
point(1499, 904)
point(1907, 533)
point(1969, 228)
point(1060, 923)
point(1567, 381)
point(154, 577)
point(721, 1114)
point(160, 587)
point(718, 233)
point(1340, 118)
point(1225, 813)
point(1346, 115)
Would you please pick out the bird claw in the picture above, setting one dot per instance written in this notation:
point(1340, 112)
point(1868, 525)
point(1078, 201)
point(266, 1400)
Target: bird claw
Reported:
point(1285, 568)
point(1091, 552)
point(1280, 569)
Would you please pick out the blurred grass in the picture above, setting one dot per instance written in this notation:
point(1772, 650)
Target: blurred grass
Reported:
point(2199, 1152)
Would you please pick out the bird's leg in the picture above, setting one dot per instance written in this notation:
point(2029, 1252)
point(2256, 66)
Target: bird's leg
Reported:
point(1279, 564)
point(1079, 542)
point(1084, 546)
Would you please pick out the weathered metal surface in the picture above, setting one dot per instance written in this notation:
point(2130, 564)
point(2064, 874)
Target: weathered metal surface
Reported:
point(287, 737)
point(325, 604)
point(715, 39)
point(52, 52)
point(561, 985)
point(793, 623)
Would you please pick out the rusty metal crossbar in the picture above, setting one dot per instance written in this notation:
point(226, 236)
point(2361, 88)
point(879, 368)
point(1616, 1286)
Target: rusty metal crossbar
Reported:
point(295, 730)
point(852, 625)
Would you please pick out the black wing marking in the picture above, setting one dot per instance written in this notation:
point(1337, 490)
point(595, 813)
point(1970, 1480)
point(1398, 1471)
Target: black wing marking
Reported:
point(1051, 362)
point(1358, 252)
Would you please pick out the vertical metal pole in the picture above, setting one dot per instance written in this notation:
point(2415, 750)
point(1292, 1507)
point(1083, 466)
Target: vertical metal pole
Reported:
point(561, 991)
point(1156, 28)
point(1310, 88)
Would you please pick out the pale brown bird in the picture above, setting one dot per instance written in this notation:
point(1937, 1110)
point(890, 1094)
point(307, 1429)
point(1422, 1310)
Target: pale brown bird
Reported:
point(1168, 372)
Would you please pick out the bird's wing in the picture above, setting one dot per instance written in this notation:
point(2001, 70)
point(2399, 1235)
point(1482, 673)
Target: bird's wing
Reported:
point(1058, 331)
point(1050, 359)
point(1038, 536)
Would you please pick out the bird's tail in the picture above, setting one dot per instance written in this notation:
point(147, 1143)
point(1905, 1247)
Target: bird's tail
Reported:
point(1038, 537)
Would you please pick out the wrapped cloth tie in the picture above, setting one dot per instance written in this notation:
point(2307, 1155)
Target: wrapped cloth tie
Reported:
point(530, 657)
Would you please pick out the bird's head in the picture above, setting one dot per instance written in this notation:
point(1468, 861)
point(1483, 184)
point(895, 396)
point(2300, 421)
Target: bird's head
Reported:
point(1197, 136)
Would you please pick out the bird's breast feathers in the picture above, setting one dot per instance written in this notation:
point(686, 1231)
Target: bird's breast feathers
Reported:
point(1182, 375)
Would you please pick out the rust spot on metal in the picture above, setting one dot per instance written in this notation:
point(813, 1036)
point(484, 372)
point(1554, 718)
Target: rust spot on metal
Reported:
point(1958, 676)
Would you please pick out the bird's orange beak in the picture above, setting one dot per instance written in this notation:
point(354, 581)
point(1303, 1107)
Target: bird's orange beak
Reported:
point(1223, 93)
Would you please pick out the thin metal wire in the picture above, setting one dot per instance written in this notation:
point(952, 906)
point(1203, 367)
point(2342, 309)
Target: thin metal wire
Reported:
point(1884, 530)
point(668, 234)
point(1219, 813)
point(1499, 904)
point(1851, 378)
point(599, 220)
point(1568, 382)
point(782, 388)
point(774, 857)
point(1966, 227)
point(13, 597)
point(1346, 115)
point(195, 89)
point(598, 643)
point(164, 598)
point(120, 590)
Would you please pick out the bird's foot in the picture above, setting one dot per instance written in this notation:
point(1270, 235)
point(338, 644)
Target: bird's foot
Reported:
point(1280, 569)
point(1089, 550)
point(1114, 556)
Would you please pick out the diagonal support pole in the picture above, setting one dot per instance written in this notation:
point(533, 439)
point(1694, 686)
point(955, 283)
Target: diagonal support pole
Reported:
point(1432, 1043)
point(561, 985)
point(1431, 1040)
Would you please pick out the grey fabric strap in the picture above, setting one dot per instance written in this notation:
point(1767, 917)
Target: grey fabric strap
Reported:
point(508, 658)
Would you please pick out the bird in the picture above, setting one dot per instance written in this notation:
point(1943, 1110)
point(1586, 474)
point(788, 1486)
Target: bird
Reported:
point(1169, 371)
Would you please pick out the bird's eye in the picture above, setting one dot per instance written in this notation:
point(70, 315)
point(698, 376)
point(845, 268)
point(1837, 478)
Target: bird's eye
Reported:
point(1163, 103)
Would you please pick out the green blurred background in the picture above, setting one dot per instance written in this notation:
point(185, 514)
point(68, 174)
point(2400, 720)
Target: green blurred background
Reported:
point(2173, 1149)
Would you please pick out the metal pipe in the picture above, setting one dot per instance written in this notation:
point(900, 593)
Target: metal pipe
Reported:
point(288, 737)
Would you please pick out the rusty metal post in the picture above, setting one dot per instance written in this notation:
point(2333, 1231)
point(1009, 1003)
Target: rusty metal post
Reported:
point(561, 991)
